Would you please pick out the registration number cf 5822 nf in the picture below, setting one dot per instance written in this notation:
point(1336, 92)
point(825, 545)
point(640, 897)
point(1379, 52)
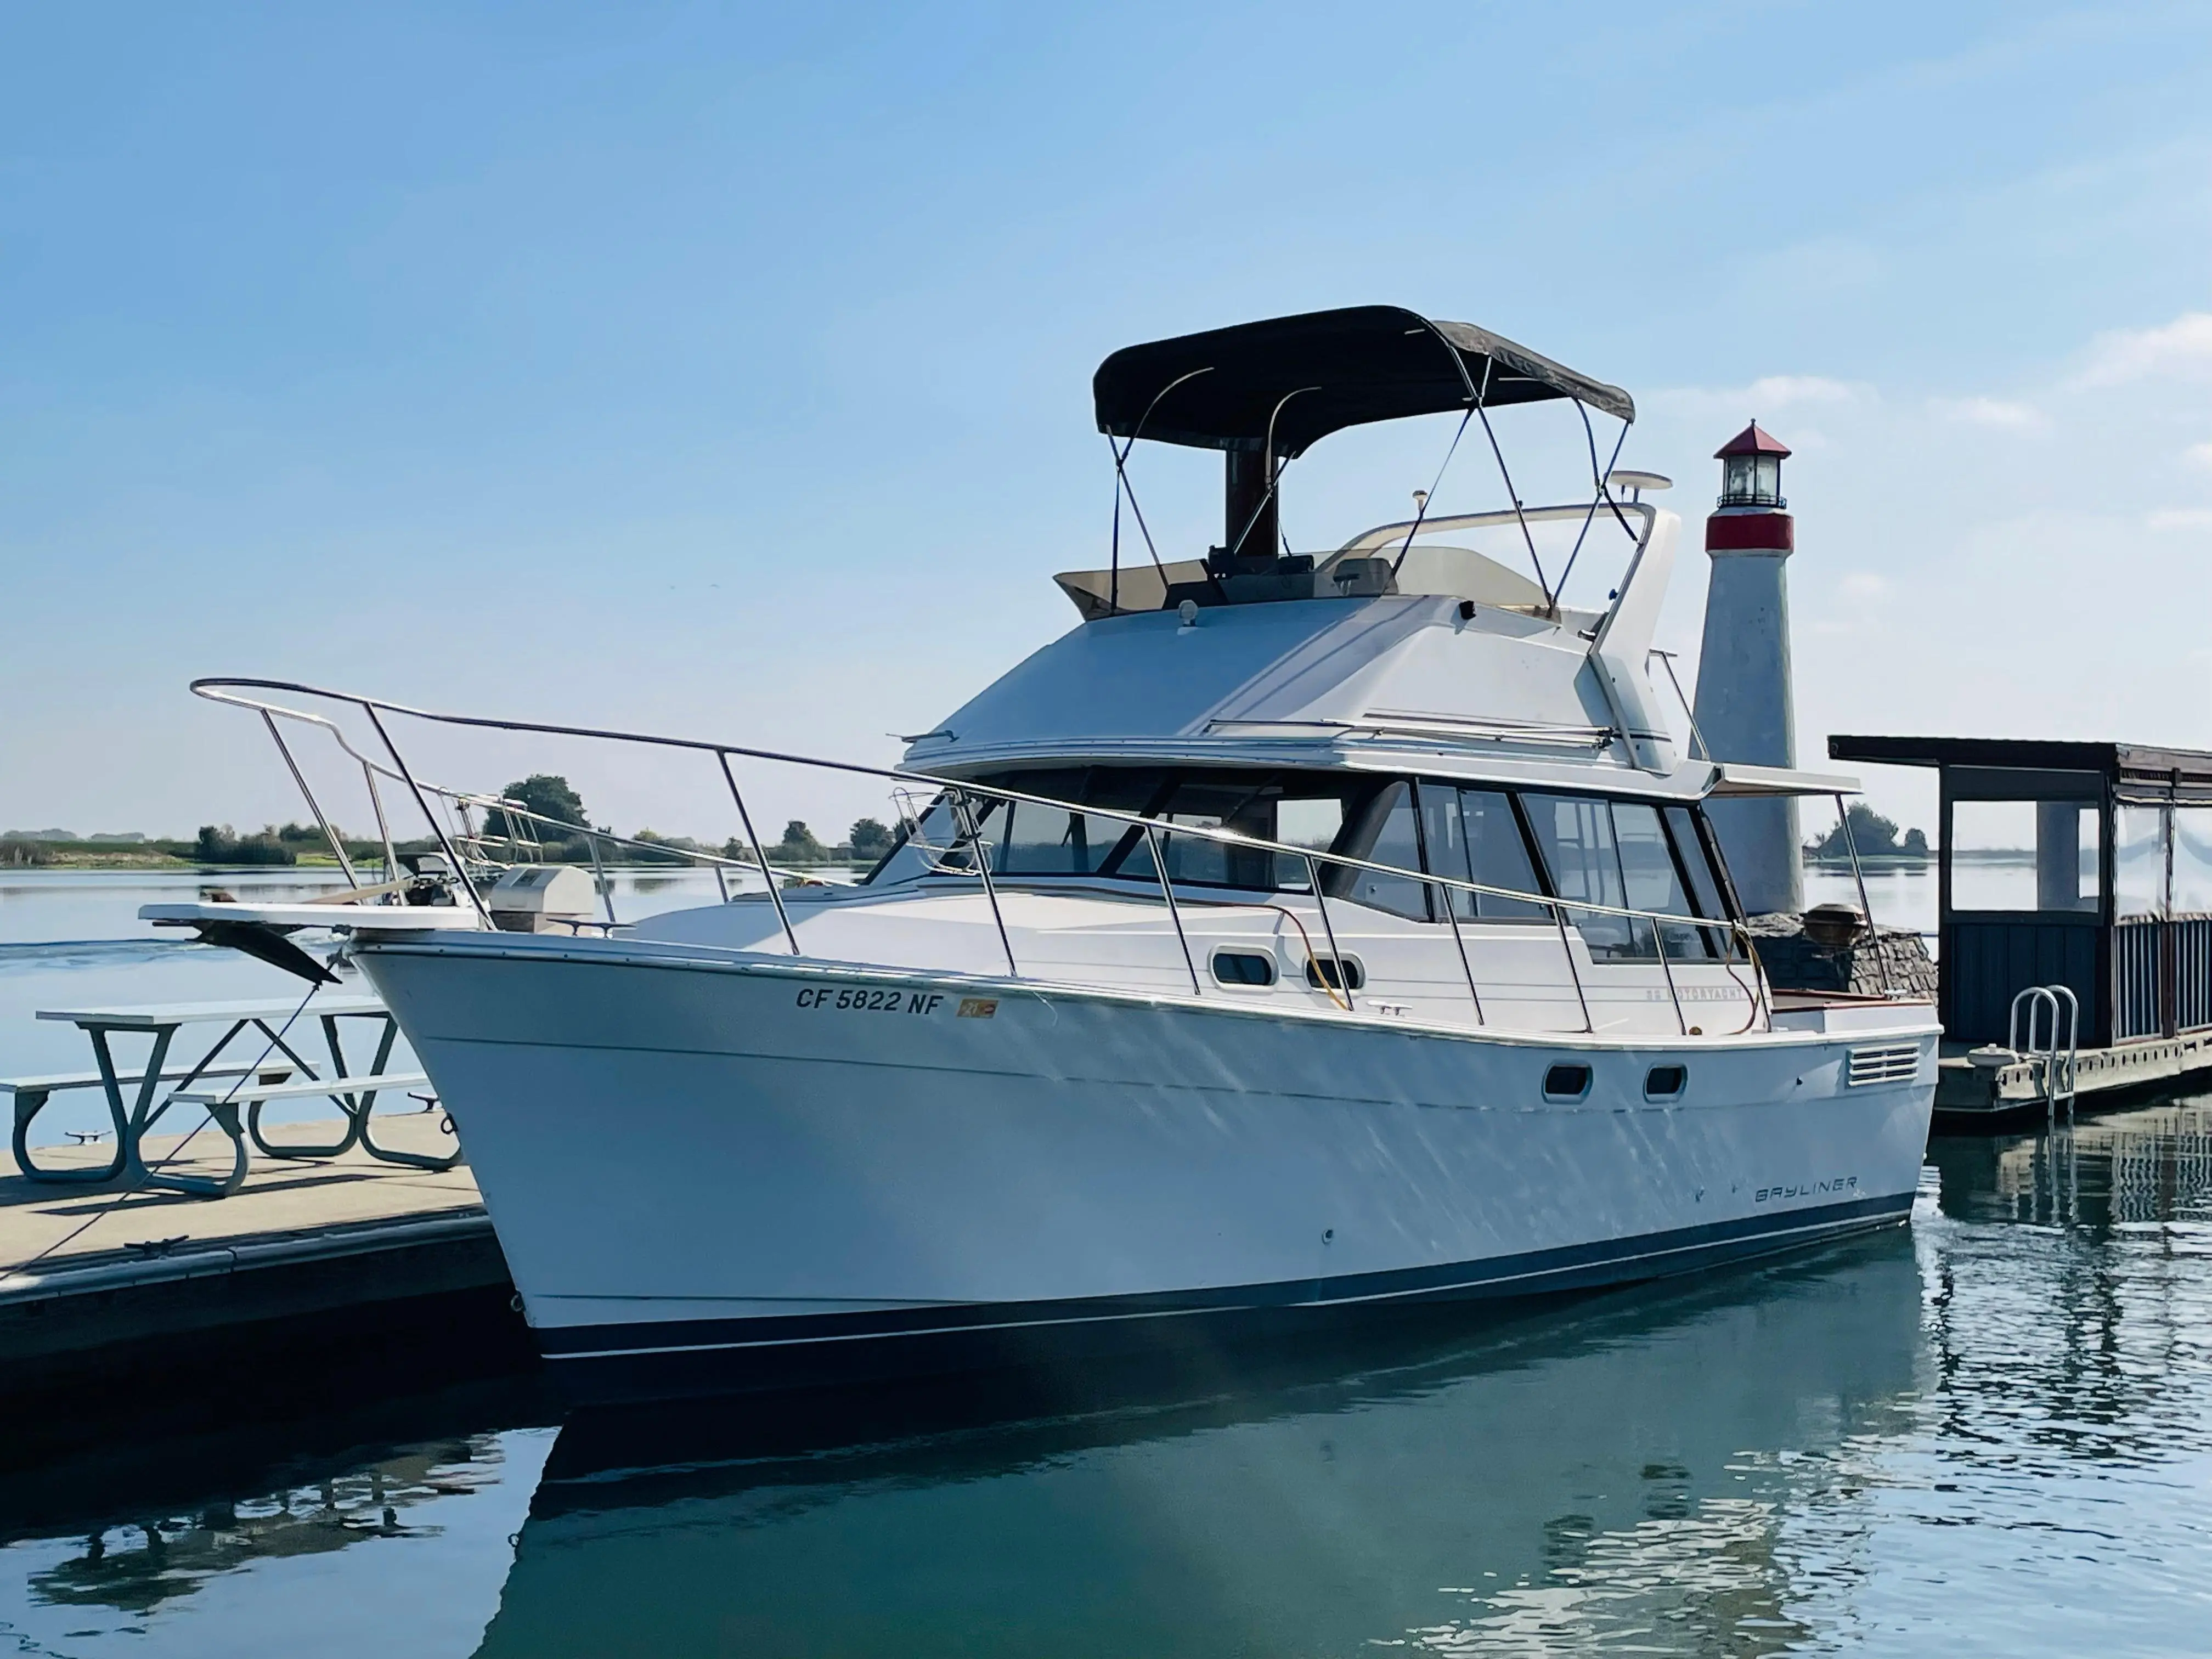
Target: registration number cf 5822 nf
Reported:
point(860, 1000)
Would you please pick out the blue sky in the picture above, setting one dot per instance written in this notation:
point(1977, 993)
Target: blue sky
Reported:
point(727, 371)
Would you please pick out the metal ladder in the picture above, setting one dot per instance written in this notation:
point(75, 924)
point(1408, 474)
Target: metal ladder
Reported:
point(2056, 1067)
point(2055, 1064)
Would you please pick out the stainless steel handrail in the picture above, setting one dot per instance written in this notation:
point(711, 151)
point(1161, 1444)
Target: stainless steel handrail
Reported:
point(460, 798)
point(225, 689)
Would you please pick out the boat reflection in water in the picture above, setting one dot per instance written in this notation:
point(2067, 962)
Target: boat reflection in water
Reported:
point(1618, 1465)
point(1986, 1436)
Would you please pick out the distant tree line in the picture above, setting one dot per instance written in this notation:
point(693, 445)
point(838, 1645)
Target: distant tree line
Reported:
point(566, 838)
point(1874, 836)
point(547, 823)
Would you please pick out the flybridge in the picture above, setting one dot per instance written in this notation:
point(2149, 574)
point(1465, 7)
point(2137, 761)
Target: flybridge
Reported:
point(1264, 392)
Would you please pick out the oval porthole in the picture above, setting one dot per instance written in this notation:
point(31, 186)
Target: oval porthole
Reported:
point(1566, 1082)
point(1243, 968)
point(1666, 1082)
point(1335, 973)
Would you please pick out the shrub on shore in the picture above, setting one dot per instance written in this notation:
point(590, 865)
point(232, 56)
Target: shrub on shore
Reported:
point(221, 844)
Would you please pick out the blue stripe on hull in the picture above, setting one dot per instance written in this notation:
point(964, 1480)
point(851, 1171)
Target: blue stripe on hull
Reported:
point(667, 1358)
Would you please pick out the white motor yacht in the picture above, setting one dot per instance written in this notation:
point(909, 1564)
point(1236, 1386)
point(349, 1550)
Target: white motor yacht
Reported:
point(1297, 936)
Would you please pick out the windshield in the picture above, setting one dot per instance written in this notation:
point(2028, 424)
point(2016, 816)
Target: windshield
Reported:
point(1625, 854)
point(1026, 839)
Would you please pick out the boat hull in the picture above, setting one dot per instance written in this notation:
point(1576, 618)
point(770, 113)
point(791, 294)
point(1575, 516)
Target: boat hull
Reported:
point(711, 1172)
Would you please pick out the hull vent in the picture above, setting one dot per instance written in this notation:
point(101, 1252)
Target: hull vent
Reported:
point(1896, 1063)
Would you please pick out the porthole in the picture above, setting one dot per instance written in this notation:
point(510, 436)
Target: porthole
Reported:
point(1666, 1082)
point(1566, 1082)
point(1243, 968)
point(1335, 973)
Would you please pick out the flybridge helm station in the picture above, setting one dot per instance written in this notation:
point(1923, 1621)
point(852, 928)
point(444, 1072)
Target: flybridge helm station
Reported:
point(1264, 392)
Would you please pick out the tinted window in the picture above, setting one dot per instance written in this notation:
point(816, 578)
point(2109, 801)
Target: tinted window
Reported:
point(1335, 973)
point(1652, 878)
point(1047, 841)
point(1705, 891)
point(1243, 968)
point(1388, 833)
point(1575, 836)
point(1567, 1081)
point(1499, 855)
point(1244, 806)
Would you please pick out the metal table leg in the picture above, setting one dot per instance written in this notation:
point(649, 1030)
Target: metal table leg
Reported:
point(142, 1113)
point(384, 1154)
point(29, 1104)
point(146, 1114)
point(346, 1103)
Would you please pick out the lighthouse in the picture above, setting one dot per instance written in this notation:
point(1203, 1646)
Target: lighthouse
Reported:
point(1744, 710)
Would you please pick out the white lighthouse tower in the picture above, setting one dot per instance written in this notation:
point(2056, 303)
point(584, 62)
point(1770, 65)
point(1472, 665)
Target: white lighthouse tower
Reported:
point(1745, 712)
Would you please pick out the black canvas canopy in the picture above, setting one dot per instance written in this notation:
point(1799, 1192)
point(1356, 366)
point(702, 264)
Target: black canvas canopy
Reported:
point(1320, 371)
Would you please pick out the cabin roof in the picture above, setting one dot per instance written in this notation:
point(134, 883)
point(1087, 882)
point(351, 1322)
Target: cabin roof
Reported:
point(1317, 372)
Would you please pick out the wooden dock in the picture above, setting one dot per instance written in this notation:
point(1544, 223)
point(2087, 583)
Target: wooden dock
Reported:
point(105, 1282)
point(1972, 1098)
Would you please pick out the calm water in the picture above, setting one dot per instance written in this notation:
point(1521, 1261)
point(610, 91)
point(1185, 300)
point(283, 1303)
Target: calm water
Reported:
point(73, 936)
point(1986, 1435)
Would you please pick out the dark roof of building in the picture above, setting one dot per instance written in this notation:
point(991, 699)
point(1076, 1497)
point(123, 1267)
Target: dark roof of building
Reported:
point(1307, 376)
point(2132, 769)
point(1753, 440)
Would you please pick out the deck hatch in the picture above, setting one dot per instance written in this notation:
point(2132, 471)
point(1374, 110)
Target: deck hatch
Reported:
point(1897, 1063)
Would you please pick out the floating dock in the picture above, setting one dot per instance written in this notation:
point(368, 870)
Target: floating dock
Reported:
point(2110, 915)
point(1972, 1097)
point(105, 1281)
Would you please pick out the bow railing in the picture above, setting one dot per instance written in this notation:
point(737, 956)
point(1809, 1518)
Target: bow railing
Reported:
point(959, 795)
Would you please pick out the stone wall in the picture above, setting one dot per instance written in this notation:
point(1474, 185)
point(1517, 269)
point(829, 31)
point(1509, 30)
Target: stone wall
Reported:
point(1892, 959)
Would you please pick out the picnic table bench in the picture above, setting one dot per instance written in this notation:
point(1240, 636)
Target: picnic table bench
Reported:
point(255, 1084)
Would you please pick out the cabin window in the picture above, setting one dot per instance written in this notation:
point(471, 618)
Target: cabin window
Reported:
point(1473, 835)
point(1305, 810)
point(1313, 820)
point(1388, 833)
point(1653, 877)
point(2138, 861)
point(1243, 968)
point(1050, 841)
point(1666, 1082)
point(1335, 973)
point(1692, 852)
point(1566, 1082)
point(2043, 855)
point(2192, 860)
point(1498, 851)
point(1574, 834)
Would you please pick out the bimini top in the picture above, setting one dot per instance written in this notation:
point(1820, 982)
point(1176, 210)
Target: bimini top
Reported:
point(1319, 372)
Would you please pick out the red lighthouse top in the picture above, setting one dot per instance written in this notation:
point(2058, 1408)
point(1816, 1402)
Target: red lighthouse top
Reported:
point(1751, 515)
point(1753, 440)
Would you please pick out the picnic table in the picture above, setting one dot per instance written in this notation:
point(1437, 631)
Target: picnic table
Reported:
point(256, 1076)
